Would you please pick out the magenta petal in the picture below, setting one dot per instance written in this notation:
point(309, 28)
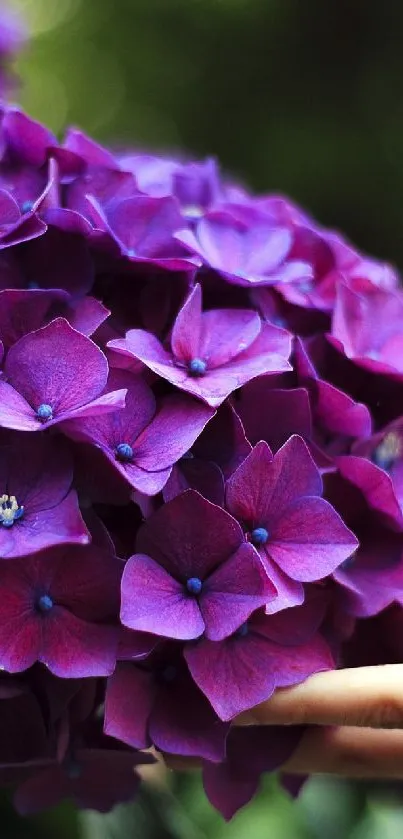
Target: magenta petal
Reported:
point(15, 412)
point(375, 484)
point(60, 524)
point(262, 487)
point(172, 433)
point(185, 337)
point(234, 674)
point(289, 592)
point(225, 333)
point(235, 590)
point(153, 601)
point(310, 540)
point(20, 636)
point(130, 696)
point(72, 648)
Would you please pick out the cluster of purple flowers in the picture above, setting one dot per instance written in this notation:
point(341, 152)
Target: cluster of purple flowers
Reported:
point(201, 466)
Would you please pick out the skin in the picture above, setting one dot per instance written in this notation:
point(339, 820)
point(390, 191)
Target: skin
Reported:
point(358, 719)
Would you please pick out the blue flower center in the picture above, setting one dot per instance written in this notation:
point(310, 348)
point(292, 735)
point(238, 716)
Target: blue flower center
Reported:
point(389, 451)
point(243, 630)
point(10, 511)
point(44, 412)
point(26, 206)
point(44, 603)
point(194, 585)
point(124, 452)
point(259, 536)
point(197, 367)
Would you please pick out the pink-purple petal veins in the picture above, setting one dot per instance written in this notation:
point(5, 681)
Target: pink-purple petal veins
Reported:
point(153, 601)
point(232, 592)
point(189, 536)
point(310, 540)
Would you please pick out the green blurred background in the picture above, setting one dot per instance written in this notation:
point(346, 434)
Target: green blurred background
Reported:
point(297, 96)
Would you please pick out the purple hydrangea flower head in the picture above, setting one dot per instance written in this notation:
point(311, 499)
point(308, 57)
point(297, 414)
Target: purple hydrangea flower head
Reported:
point(300, 537)
point(141, 442)
point(212, 353)
point(52, 374)
point(38, 508)
point(194, 573)
point(60, 610)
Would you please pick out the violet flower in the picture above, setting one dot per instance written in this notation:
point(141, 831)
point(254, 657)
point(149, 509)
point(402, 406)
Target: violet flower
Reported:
point(60, 610)
point(140, 441)
point(193, 573)
point(38, 508)
point(212, 353)
point(53, 374)
point(299, 536)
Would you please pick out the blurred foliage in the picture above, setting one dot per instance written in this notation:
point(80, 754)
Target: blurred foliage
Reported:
point(292, 96)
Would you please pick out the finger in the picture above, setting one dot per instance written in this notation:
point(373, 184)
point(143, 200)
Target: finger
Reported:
point(349, 751)
point(363, 696)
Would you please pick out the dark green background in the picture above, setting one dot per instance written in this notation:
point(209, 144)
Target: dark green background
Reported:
point(298, 96)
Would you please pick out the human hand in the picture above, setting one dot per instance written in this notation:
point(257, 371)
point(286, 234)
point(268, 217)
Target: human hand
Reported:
point(355, 719)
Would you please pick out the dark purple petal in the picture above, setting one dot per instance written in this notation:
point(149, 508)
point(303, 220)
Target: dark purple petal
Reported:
point(189, 536)
point(130, 696)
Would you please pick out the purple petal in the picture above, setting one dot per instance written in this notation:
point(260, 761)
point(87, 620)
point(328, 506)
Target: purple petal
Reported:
point(152, 601)
point(225, 333)
point(310, 540)
point(130, 696)
point(172, 432)
point(185, 337)
point(235, 590)
point(73, 649)
point(57, 366)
